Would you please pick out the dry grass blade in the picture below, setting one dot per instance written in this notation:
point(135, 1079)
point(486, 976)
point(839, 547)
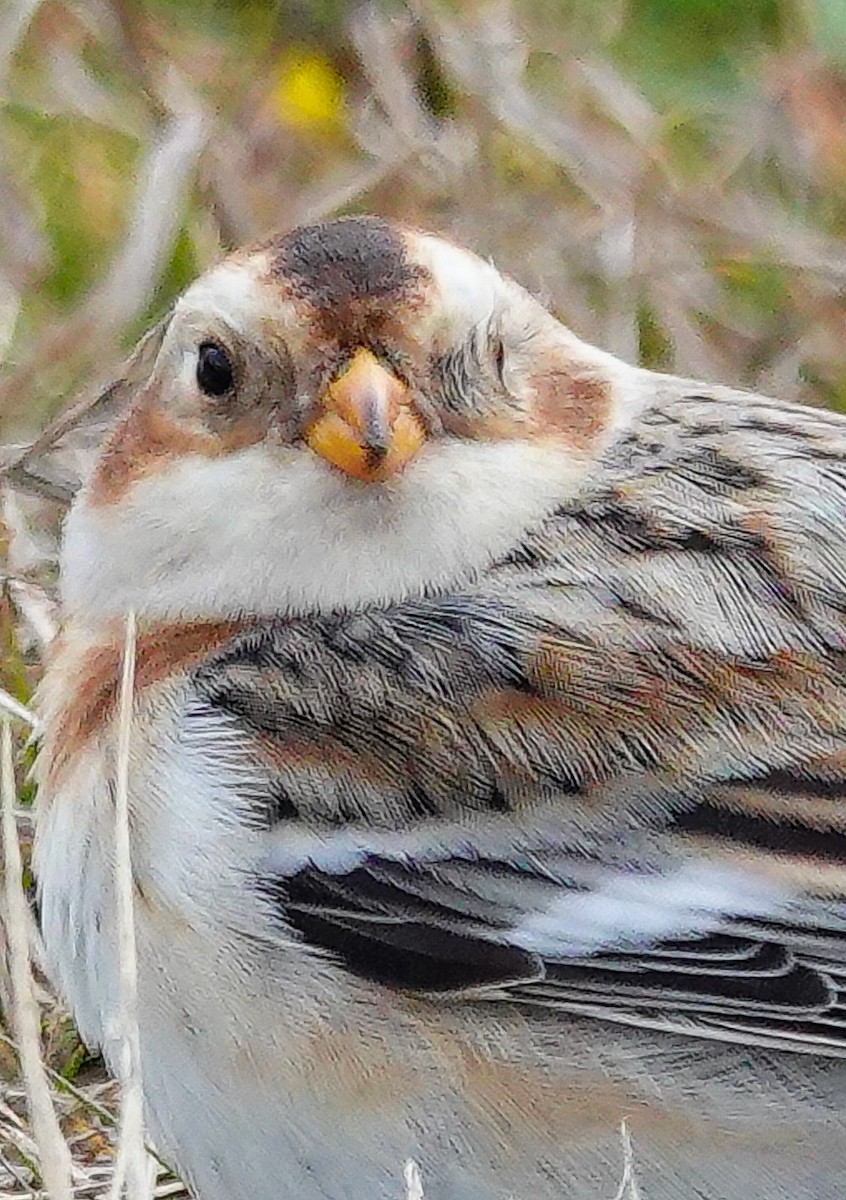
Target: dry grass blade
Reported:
point(53, 1151)
point(628, 1189)
point(134, 1169)
point(15, 709)
point(14, 1173)
point(37, 610)
point(165, 177)
point(413, 1181)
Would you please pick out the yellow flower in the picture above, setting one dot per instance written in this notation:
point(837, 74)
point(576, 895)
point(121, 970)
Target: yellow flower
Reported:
point(308, 91)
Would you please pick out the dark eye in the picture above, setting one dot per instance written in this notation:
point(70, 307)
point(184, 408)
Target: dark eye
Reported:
point(214, 369)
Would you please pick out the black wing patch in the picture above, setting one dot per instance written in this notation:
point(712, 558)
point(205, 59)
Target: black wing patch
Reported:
point(392, 936)
point(408, 927)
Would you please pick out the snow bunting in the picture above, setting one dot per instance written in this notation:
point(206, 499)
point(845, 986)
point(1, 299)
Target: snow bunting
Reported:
point(488, 747)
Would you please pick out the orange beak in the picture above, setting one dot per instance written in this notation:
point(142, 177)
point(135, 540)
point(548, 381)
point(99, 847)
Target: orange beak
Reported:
point(367, 426)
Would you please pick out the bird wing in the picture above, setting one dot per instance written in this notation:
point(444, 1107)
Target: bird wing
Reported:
point(608, 777)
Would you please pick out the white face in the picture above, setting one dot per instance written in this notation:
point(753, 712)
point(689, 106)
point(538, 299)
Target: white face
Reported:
point(211, 520)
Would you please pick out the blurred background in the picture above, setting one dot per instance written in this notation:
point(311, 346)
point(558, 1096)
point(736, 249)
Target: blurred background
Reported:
point(669, 175)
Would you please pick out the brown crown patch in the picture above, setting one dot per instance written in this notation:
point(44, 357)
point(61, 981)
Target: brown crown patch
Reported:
point(355, 276)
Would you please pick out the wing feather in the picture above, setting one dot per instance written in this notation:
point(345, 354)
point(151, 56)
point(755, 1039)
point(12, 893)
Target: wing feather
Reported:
point(609, 776)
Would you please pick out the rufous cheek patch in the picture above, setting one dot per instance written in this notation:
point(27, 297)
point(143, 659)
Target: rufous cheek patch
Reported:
point(562, 400)
point(148, 440)
point(571, 399)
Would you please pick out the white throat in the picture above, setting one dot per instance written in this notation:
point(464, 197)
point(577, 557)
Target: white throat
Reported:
point(268, 532)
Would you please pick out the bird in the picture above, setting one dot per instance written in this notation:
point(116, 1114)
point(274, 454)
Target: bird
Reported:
point(487, 766)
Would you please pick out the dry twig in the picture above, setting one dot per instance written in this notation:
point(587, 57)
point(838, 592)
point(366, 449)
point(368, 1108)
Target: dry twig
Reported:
point(54, 1154)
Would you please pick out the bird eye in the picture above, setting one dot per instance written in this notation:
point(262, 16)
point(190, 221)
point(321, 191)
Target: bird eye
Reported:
point(214, 369)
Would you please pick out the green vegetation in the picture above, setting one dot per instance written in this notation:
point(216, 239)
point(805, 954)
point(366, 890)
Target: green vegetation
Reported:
point(714, 130)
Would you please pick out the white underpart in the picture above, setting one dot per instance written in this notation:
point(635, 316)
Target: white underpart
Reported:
point(270, 531)
point(74, 859)
point(194, 778)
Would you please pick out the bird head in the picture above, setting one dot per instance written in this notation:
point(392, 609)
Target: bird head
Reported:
point(352, 413)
